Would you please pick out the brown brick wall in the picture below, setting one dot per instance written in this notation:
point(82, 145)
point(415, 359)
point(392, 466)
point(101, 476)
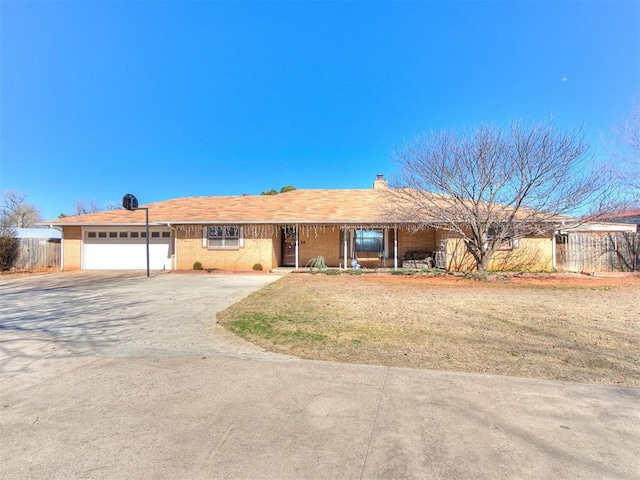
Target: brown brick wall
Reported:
point(72, 248)
point(422, 240)
point(325, 242)
point(255, 250)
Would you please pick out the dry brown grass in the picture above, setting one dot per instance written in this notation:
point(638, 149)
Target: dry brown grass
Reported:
point(555, 327)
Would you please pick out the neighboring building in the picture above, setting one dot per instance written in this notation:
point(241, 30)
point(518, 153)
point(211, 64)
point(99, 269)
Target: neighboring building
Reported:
point(608, 245)
point(288, 229)
point(630, 216)
point(38, 233)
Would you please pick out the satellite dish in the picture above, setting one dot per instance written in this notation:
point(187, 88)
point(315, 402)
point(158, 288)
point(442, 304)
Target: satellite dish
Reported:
point(129, 202)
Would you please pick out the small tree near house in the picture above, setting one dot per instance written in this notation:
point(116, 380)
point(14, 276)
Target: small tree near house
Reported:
point(16, 212)
point(492, 186)
point(9, 245)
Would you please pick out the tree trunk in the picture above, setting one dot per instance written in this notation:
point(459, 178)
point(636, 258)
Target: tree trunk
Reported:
point(483, 263)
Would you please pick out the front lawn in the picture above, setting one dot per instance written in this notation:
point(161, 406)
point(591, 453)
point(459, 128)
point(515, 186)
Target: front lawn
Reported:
point(571, 328)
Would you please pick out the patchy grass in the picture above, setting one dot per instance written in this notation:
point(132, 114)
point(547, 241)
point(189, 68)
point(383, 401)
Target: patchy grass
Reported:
point(562, 328)
point(273, 327)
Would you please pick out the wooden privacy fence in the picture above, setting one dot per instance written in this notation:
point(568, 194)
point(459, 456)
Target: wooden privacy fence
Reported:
point(38, 254)
point(606, 252)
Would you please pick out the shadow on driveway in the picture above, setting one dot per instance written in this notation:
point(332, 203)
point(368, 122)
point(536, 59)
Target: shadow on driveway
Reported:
point(118, 314)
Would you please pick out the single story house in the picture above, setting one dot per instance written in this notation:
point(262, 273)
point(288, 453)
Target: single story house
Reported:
point(289, 229)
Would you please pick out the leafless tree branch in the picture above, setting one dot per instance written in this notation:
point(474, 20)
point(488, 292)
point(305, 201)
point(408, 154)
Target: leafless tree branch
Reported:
point(16, 212)
point(490, 186)
point(626, 150)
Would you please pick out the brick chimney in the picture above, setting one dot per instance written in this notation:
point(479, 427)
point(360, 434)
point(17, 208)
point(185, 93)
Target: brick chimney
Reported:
point(380, 183)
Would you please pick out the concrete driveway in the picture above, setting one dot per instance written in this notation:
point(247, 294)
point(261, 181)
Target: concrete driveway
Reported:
point(120, 376)
point(126, 314)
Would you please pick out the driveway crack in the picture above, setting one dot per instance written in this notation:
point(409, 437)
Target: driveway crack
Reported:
point(375, 421)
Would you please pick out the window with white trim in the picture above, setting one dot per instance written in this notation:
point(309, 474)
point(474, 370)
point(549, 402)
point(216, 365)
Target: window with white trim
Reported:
point(369, 241)
point(223, 237)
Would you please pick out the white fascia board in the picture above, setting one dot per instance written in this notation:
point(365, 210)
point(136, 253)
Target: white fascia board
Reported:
point(104, 224)
point(602, 227)
point(282, 222)
point(120, 226)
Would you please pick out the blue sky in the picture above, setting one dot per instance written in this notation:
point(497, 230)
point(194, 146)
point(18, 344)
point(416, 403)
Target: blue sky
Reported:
point(171, 99)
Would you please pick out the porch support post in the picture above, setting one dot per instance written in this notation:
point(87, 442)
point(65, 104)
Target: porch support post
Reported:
point(346, 253)
point(395, 247)
point(553, 251)
point(296, 233)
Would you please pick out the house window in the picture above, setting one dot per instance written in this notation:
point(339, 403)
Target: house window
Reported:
point(223, 236)
point(124, 234)
point(134, 234)
point(166, 234)
point(508, 243)
point(92, 234)
point(102, 234)
point(113, 234)
point(369, 241)
point(143, 234)
point(155, 234)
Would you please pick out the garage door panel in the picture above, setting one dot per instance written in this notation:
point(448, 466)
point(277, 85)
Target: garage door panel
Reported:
point(102, 253)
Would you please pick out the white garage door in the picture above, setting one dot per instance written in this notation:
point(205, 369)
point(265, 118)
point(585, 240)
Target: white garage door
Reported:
point(126, 249)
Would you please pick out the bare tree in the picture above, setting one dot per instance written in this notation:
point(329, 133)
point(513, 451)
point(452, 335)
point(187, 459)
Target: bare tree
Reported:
point(82, 208)
point(490, 186)
point(16, 212)
point(627, 149)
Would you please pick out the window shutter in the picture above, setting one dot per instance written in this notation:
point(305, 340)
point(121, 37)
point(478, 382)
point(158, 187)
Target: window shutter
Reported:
point(205, 237)
point(241, 237)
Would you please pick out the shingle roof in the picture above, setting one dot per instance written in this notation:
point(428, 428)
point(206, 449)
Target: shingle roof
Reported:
point(297, 206)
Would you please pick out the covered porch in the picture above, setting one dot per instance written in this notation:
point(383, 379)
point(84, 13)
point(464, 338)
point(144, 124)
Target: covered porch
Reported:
point(363, 246)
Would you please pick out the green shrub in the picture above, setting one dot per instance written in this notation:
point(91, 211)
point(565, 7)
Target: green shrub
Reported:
point(332, 271)
point(9, 246)
point(197, 266)
point(354, 271)
point(257, 266)
point(403, 272)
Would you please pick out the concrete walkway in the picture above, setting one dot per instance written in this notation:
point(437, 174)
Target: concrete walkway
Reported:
point(75, 407)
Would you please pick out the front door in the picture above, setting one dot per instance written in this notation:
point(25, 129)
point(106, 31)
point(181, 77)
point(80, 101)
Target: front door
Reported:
point(289, 246)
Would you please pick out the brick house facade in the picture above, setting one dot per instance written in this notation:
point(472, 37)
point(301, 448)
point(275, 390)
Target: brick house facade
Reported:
point(289, 229)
